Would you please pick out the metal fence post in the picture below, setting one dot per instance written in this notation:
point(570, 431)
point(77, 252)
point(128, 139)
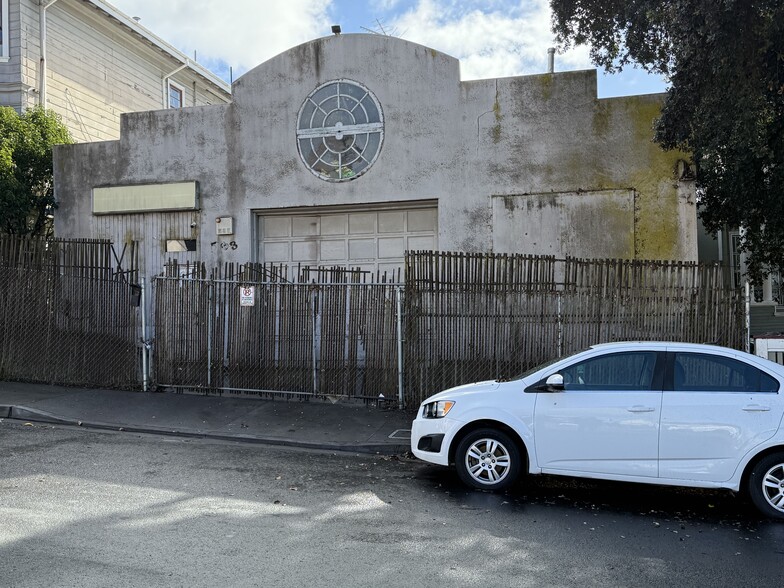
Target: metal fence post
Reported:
point(399, 304)
point(560, 324)
point(316, 338)
point(210, 311)
point(145, 338)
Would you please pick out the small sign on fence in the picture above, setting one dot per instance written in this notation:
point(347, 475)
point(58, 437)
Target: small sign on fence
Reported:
point(247, 295)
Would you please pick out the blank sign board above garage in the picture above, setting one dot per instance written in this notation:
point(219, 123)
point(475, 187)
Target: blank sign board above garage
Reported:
point(146, 197)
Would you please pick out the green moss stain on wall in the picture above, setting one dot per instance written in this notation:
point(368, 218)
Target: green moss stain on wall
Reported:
point(657, 224)
point(546, 85)
point(496, 131)
point(601, 118)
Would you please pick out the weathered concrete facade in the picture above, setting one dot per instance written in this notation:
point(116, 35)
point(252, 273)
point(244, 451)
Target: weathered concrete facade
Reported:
point(533, 164)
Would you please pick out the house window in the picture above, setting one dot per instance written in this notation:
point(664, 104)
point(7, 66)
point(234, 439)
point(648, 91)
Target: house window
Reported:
point(4, 30)
point(775, 287)
point(737, 269)
point(175, 95)
point(180, 245)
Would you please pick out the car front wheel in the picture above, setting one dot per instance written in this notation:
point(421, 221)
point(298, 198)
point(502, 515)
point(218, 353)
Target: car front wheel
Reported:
point(766, 486)
point(488, 459)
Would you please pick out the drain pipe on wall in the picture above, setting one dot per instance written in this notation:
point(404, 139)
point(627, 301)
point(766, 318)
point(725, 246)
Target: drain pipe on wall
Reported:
point(165, 82)
point(42, 7)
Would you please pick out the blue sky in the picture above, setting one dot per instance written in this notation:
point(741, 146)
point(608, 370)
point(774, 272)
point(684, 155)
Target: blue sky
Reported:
point(491, 38)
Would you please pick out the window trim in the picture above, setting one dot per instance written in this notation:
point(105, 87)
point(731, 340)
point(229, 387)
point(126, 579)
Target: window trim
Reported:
point(669, 379)
point(169, 85)
point(4, 36)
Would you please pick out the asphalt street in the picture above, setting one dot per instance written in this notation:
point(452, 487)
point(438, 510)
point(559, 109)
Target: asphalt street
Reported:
point(84, 508)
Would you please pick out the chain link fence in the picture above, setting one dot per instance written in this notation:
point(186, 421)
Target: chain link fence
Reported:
point(67, 316)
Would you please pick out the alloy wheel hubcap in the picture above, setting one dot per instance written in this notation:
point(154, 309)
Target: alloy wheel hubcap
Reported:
point(773, 487)
point(487, 461)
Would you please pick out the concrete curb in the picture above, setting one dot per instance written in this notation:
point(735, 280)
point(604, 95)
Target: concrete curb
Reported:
point(23, 413)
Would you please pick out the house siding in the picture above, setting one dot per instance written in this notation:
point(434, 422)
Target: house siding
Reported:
point(97, 69)
point(10, 74)
point(764, 321)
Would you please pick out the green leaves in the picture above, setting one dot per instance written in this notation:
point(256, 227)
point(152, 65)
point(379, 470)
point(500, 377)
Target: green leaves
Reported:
point(26, 176)
point(725, 104)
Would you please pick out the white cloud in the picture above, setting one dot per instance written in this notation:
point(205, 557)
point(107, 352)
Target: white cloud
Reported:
point(499, 39)
point(241, 33)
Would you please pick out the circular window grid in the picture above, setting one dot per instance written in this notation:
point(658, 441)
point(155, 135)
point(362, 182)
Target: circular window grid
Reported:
point(340, 129)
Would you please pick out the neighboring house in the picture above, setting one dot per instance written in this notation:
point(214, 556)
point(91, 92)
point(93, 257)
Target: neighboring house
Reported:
point(766, 300)
point(91, 63)
point(351, 149)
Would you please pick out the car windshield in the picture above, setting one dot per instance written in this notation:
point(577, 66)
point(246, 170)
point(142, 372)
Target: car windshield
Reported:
point(528, 372)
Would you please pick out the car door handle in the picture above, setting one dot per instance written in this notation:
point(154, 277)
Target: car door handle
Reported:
point(639, 408)
point(756, 408)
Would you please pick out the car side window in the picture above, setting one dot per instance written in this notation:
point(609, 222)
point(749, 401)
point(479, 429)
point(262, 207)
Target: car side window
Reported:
point(615, 371)
point(768, 383)
point(704, 372)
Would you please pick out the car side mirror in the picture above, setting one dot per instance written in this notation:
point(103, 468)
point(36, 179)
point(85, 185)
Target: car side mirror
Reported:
point(554, 382)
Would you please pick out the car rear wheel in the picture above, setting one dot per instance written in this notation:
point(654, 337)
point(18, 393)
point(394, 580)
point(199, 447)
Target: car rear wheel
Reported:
point(488, 459)
point(766, 486)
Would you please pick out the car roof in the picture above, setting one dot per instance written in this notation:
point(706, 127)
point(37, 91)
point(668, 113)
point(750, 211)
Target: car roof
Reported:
point(664, 344)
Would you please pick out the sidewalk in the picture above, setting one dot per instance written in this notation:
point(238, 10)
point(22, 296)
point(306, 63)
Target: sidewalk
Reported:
point(315, 425)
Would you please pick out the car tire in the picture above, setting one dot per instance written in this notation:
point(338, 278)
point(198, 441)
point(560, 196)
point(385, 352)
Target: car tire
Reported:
point(488, 459)
point(766, 486)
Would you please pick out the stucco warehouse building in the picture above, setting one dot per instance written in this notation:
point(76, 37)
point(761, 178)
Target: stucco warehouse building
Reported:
point(351, 149)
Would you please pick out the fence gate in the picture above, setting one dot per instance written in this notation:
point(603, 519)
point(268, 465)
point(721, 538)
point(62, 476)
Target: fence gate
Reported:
point(271, 337)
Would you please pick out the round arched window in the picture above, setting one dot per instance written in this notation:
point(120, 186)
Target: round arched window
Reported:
point(340, 129)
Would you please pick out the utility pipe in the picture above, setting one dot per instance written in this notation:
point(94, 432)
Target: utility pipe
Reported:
point(43, 6)
point(166, 80)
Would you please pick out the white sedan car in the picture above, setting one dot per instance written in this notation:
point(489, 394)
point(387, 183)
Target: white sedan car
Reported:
point(659, 413)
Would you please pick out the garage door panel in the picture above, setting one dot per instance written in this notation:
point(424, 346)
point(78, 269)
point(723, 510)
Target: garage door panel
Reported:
point(274, 227)
point(334, 224)
point(422, 220)
point(373, 240)
point(305, 226)
point(277, 252)
point(425, 243)
point(333, 250)
point(392, 222)
point(390, 268)
point(362, 249)
point(362, 223)
point(304, 251)
point(391, 247)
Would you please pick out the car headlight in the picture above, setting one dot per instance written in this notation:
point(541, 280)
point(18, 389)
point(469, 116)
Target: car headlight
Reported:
point(437, 409)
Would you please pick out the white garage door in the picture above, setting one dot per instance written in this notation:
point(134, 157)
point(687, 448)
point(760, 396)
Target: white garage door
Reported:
point(373, 240)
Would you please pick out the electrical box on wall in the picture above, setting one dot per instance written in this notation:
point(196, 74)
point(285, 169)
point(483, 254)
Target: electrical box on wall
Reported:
point(224, 225)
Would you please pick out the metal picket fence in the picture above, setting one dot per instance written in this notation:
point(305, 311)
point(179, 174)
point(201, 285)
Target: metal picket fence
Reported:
point(473, 317)
point(334, 337)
